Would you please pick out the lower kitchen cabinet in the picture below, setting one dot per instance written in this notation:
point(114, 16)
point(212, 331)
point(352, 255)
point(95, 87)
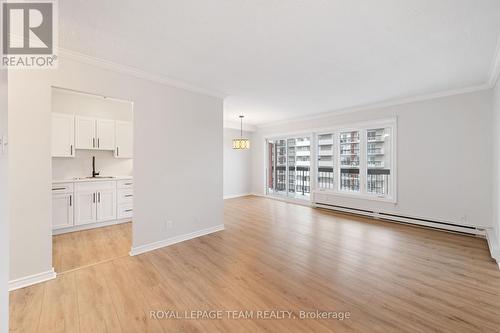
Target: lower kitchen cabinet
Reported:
point(77, 204)
point(62, 205)
point(85, 207)
point(62, 210)
point(95, 202)
point(106, 205)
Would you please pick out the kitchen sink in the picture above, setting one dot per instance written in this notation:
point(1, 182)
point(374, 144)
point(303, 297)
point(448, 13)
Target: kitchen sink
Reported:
point(96, 177)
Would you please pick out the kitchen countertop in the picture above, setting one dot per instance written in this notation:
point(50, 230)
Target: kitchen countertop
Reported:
point(73, 180)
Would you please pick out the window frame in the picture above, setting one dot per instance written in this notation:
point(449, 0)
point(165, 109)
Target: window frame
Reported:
point(362, 127)
point(363, 164)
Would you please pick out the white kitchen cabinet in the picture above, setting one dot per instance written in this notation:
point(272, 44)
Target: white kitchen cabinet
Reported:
point(63, 135)
point(85, 207)
point(79, 205)
point(125, 197)
point(105, 134)
point(95, 134)
point(85, 137)
point(95, 202)
point(106, 205)
point(124, 139)
point(125, 211)
point(62, 210)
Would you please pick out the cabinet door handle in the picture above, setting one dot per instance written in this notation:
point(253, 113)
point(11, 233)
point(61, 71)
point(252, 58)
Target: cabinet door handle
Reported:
point(99, 197)
point(70, 200)
point(58, 188)
point(98, 142)
point(128, 210)
point(129, 195)
point(71, 149)
point(117, 151)
point(93, 142)
point(93, 198)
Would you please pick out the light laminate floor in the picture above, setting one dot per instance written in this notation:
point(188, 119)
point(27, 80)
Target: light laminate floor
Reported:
point(279, 256)
point(83, 248)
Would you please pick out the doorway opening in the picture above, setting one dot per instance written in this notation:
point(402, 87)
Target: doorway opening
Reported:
point(92, 178)
point(288, 167)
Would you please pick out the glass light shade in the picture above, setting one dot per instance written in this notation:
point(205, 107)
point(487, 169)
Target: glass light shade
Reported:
point(241, 143)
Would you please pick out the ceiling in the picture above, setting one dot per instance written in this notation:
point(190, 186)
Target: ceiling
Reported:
point(281, 59)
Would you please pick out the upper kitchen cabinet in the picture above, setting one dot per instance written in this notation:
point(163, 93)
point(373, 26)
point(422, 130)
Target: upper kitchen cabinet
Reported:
point(124, 139)
point(105, 134)
point(63, 135)
point(96, 134)
point(85, 133)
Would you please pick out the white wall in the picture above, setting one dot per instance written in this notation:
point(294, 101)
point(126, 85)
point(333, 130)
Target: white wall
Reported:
point(174, 131)
point(237, 165)
point(496, 164)
point(4, 230)
point(87, 105)
point(443, 156)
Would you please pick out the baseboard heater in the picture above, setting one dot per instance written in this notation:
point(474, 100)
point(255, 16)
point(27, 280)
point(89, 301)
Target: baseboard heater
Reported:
point(447, 226)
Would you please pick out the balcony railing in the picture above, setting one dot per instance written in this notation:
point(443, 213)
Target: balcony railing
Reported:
point(377, 181)
point(349, 180)
point(325, 178)
point(298, 179)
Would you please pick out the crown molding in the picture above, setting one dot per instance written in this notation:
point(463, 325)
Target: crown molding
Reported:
point(236, 125)
point(135, 72)
point(495, 67)
point(376, 105)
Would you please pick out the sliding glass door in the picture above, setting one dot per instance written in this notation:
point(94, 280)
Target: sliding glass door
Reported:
point(289, 167)
point(276, 167)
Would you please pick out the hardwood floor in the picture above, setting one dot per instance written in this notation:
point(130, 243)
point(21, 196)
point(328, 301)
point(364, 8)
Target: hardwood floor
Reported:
point(83, 248)
point(279, 256)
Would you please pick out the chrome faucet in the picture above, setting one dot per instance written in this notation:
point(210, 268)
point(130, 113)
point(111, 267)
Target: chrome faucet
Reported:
point(94, 174)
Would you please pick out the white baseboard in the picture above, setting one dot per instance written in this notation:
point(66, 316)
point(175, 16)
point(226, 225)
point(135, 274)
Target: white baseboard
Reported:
point(173, 240)
point(236, 196)
point(493, 244)
point(32, 279)
point(89, 226)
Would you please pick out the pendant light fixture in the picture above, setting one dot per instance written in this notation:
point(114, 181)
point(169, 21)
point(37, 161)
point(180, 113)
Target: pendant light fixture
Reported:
point(241, 143)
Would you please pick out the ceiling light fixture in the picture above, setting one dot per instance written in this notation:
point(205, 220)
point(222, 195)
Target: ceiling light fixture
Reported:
point(241, 143)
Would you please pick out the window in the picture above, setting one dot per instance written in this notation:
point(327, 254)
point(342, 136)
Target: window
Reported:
point(378, 161)
point(356, 160)
point(325, 161)
point(301, 169)
point(349, 161)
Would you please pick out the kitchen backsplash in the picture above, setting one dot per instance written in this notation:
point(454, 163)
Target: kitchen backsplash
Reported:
point(81, 165)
